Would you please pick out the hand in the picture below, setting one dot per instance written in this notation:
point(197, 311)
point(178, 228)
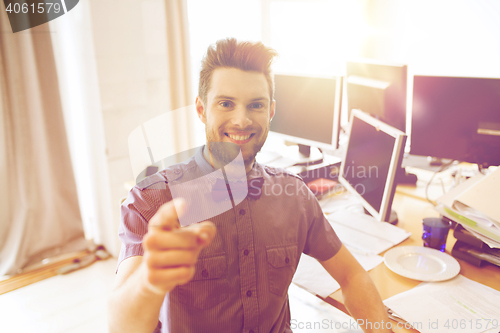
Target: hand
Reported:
point(171, 252)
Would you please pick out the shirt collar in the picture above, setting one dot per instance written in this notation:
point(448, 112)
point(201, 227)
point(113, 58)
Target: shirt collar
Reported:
point(257, 170)
point(202, 163)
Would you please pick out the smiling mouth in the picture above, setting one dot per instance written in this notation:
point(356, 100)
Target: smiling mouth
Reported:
point(239, 138)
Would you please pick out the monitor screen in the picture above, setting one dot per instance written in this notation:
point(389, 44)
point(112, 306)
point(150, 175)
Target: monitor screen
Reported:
point(456, 118)
point(308, 109)
point(374, 151)
point(378, 89)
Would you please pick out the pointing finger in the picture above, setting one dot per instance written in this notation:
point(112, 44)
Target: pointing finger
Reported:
point(167, 216)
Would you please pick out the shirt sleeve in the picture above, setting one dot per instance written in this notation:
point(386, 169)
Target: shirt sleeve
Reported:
point(136, 211)
point(322, 242)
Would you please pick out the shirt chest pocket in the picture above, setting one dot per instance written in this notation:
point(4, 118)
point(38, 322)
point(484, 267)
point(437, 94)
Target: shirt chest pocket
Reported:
point(209, 285)
point(281, 265)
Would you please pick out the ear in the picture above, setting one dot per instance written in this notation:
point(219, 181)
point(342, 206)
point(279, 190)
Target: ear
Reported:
point(271, 111)
point(200, 110)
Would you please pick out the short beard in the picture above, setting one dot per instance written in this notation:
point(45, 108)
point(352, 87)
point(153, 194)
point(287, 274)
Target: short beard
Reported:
point(225, 152)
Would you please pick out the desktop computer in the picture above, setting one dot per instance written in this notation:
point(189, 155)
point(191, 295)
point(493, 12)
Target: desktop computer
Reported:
point(456, 118)
point(379, 89)
point(308, 114)
point(368, 170)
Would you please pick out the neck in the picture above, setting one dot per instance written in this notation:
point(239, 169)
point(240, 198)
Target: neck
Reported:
point(211, 160)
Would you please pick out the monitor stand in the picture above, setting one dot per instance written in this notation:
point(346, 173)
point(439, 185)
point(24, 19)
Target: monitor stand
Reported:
point(393, 218)
point(404, 177)
point(435, 161)
point(303, 155)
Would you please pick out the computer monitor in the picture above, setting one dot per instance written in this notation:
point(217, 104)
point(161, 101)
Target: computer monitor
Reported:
point(379, 89)
point(374, 152)
point(456, 118)
point(308, 110)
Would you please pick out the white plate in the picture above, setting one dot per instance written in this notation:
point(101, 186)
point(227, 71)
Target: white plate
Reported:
point(421, 263)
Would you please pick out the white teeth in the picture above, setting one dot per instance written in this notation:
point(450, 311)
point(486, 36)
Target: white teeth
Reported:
point(239, 137)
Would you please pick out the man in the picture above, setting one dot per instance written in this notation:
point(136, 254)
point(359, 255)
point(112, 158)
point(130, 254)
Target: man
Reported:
point(231, 274)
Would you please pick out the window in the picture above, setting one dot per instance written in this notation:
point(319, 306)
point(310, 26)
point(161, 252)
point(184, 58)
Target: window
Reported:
point(312, 37)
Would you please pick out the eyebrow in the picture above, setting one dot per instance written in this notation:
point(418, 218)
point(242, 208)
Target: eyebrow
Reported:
point(232, 98)
point(224, 97)
point(260, 99)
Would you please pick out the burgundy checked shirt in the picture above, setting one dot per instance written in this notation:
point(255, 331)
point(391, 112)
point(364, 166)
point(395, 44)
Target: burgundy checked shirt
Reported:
point(242, 277)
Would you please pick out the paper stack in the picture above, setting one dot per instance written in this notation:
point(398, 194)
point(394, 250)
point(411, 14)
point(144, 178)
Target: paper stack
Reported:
point(475, 204)
point(458, 305)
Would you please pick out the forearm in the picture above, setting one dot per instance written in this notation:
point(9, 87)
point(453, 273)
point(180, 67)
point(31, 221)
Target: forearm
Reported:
point(133, 307)
point(361, 297)
point(363, 301)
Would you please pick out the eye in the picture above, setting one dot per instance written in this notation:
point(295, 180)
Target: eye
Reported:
point(225, 104)
point(256, 105)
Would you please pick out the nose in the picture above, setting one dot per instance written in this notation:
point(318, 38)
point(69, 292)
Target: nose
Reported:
point(241, 118)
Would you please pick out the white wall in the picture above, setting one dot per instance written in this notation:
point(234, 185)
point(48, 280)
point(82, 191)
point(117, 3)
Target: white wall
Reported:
point(131, 55)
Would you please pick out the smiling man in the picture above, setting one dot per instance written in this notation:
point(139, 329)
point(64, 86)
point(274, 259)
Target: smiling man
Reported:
point(230, 274)
point(235, 98)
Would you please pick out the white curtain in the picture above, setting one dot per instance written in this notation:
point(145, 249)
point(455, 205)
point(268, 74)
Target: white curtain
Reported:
point(39, 211)
point(178, 57)
point(77, 72)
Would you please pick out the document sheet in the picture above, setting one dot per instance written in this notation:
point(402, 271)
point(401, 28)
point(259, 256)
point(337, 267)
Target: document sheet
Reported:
point(311, 276)
point(363, 232)
point(459, 305)
point(363, 236)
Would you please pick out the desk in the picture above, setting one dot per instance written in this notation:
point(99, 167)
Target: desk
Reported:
point(411, 210)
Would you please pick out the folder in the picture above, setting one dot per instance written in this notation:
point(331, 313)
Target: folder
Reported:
point(484, 196)
point(474, 204)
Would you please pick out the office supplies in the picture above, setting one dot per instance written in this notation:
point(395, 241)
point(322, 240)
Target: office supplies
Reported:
point(458, 305)
point(474, 255)
point(421, 263)
point(463, 235)
point(307, 113)
point(472, 249)
point(374, 153)
point(478, 191)
point(456, 118)
point(482, 198)
point(412, 208)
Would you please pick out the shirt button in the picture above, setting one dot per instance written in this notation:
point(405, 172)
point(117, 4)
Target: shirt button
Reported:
point(204, 273)
point(287, 260)
point(249, 293)
point(242, 212)
point(246, 252)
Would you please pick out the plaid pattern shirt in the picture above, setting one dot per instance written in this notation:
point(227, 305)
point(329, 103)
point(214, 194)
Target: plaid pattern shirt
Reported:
point(242, 277)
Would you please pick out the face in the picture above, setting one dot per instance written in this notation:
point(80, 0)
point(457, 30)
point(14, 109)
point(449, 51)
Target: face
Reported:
point(238, 110)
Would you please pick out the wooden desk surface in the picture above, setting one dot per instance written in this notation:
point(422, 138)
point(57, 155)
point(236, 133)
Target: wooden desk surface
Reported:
point(411, 210)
